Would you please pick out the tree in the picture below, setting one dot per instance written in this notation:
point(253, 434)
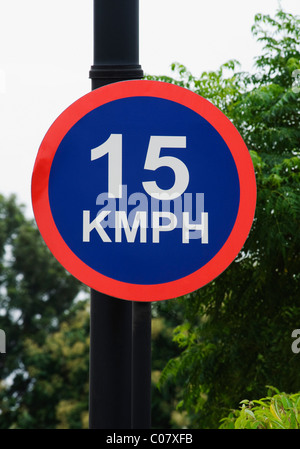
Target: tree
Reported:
point(236, 338)
point(60, 370)
point(166, 316)
point(36, 295)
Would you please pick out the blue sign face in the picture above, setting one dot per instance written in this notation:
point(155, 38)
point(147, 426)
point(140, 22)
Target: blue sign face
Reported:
point(144, 190)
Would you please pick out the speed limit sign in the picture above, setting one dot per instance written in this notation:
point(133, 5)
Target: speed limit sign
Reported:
point(144, 190)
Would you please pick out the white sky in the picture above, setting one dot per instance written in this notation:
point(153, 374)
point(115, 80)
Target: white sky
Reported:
point(46, 50)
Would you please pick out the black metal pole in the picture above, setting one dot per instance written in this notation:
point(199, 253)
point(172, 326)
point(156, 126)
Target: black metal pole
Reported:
point(110, 362)
point(116, 42)
point(141, 366)
point(120, 336)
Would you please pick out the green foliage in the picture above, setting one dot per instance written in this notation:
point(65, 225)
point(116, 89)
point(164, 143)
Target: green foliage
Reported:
point(280, 411)
point(166, 316)
point(36, 297)
point(60, 368)
point(236, 335)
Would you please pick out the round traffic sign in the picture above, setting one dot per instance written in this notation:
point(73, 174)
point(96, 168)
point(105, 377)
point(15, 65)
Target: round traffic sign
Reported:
point(144, 190)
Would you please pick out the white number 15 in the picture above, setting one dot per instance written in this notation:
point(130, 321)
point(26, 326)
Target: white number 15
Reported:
point(113, 147)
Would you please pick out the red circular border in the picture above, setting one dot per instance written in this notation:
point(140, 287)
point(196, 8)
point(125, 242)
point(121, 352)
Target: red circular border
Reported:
point(109, 286)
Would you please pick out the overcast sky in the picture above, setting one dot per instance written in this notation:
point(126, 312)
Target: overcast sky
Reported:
point(46, 49)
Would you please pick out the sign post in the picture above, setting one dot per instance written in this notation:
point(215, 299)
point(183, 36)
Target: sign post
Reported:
point(144, 191)
point(120, 336)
